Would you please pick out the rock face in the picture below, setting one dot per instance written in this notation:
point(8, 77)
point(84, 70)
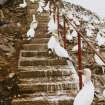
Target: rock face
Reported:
point(11, 31)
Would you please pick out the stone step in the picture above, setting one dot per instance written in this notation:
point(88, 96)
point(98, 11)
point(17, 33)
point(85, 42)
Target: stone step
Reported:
point(45, 79)
point(36, 41)
point(44, 100)
point(38, 47)
point(50, 73)
point(42, 27)
point(41, 34)
point(71, 93)
point(43, 24)
point(44, 15)
point(55, 67)
point(25, 53)
point(50, 87)
point(41, 20)
point(41, 62)
point(42, 31)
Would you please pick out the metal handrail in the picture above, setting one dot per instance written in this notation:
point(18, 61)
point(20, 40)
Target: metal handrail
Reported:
point(85, 39)
point(80, 69)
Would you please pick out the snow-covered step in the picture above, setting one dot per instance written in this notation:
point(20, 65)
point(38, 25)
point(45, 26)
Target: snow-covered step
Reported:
point(44, 15)
point(71, 93)
point(50, 87)
point(39, 67)
point(45, 79)
point(45, 100)
point(49, 73)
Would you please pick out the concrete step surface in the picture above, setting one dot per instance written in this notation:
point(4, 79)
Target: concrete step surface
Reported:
point(36, 41)
point(35, 47)
point(44, 74)
point(41, 61)
point(45, 79)
point(25, 53)
point(50, 87)
point(45, 100)
point(55, 67)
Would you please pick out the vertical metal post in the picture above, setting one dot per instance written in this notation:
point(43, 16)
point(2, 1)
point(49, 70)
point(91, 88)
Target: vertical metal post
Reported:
point(54, 13)
point(58, 19)
point(50, 9)
point(80, 69)
point(64, 32)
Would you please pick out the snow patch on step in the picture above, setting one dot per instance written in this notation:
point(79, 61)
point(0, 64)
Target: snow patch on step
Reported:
point(47, 98)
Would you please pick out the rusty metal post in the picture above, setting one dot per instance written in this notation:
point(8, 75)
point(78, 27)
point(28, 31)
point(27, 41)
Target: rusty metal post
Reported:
point(50, 9)
point(64, 32)
point(80, 69)
point(58, 19)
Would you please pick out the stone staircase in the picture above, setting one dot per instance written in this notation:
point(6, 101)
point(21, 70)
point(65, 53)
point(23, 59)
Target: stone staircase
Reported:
point(45, 80)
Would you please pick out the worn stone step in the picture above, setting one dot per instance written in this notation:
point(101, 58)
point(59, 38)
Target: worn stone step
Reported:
point(41, 34)
point(43, 24)
point(71, 93)
point(42, 27)
point(41, 20)
point(42, 30)
point(36, 41)
point(25, 53)
point(50, 87)
point(50, 73)
point(37, 47)
point(44, 15)
point(45, 79)
point(41, 61)
point(44, 100)
point(39, 67)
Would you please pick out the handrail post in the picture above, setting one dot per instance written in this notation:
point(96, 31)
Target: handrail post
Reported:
point(54, 13)
point(64, 20)
point(50, 8)
point(80, 69)
point(58, 19)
